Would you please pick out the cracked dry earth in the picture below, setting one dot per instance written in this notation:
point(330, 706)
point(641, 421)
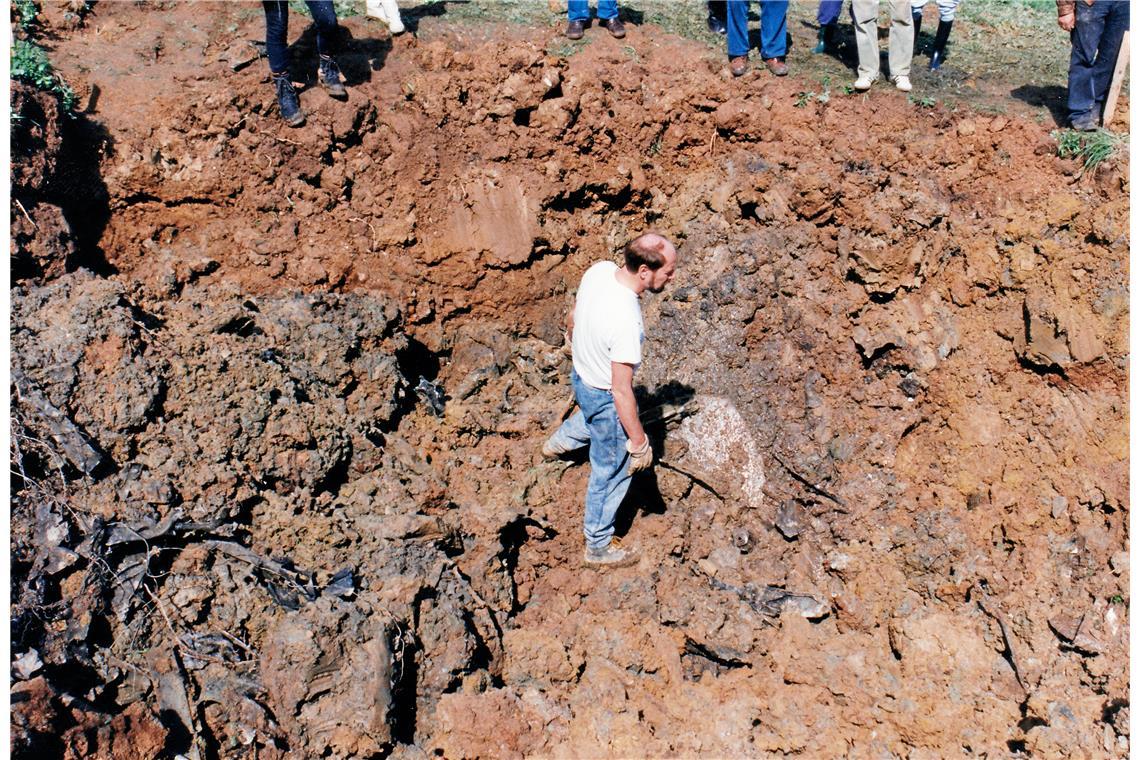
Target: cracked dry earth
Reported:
point(278, 397)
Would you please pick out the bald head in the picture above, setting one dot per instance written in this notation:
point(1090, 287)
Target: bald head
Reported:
point(651, 261)
point(650, 250)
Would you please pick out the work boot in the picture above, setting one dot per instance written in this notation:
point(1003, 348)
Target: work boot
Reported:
point(916, 15)
point(287, 101)
point(826, 36)
point(738, 65)
point(615, 25)
point(328, 74)
point(575, 29)
point(388, 12)
point(613, 555)
point(940, 38)
point(552, 450)
point(777, 67)
point(1084, 123)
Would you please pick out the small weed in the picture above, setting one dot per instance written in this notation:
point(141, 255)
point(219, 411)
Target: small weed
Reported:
point(1117, 599)
point(807, 96)
point(655, 148)
point(927, 102)
point(26, 11)
point(632, 53)
point(30, 64)
point(1093, 148)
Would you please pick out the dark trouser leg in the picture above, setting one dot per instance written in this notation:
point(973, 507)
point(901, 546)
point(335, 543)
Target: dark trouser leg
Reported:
point(1115, 25)
point(276, 32)
point(324, 16)
point(1086, 37)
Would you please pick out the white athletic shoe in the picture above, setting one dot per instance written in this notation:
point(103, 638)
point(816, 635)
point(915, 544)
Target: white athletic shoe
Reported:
point(388, 12)
point(902, 82)
point(865, 81)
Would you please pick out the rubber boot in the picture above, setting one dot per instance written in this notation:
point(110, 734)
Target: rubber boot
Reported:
point(917, 16)
point(826, 37)
point(287, 100)
point(939, 53)
point(717, 13)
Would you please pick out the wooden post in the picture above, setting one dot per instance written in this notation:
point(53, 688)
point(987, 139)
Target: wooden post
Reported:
point(1117, 80)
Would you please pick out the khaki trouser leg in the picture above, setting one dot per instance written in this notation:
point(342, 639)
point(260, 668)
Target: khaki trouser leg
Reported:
point(867, 35)
point(902, 38)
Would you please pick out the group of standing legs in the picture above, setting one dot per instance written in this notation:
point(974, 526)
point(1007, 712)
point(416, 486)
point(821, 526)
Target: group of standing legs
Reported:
point(328, 31)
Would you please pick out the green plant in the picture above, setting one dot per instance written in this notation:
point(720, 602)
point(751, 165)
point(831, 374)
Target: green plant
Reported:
point(30, 64)
point(1092, 148)
point(1117, 599)
point(927, 102)
point(26, 11)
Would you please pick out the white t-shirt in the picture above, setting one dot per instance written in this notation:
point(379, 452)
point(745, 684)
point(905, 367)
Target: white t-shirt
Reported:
point(607, 326)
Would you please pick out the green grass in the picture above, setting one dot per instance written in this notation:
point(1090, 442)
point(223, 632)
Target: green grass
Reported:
point(1091, 148)
point(30, 64)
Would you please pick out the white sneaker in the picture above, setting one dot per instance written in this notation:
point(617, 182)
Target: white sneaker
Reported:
point(388, 12)
point(902, 82)
point(865, 81)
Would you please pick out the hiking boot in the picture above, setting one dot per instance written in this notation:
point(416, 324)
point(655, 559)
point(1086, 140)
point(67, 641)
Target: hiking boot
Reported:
point(902, 82)
point(615, 25)
point(614, 555)
point(328, 74)
point(388, 13)
point(865, 81)
point(552, 450)
point(738, 65)
point(287, 101)
point(777, 67)
point(575, 29)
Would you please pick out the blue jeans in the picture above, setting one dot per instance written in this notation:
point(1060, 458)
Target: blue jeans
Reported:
point(1096, 42)
point(596, 424)
point(277, 30)
point(579, 10)
point(773, 28)
point(828, 12)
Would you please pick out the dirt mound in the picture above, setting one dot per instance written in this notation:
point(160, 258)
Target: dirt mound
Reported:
point(279, 490)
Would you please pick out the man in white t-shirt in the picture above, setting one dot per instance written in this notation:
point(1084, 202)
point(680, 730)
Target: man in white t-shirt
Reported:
point(606, 336)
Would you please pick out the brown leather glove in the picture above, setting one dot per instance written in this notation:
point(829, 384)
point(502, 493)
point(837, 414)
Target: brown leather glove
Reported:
point(641, 458)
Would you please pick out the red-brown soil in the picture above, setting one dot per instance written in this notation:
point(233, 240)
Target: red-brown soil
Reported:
point(889, 385)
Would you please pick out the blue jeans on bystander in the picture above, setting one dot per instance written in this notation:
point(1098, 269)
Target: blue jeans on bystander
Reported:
point(773, 28)
point(579, 10)
point(596, 424)
point(1096, 41)
point(277, 30)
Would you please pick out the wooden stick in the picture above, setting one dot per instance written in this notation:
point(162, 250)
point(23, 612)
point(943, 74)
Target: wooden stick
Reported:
point(1117, 80)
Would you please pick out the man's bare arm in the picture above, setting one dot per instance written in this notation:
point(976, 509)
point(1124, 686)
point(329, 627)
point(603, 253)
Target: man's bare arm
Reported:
point(621, 375)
